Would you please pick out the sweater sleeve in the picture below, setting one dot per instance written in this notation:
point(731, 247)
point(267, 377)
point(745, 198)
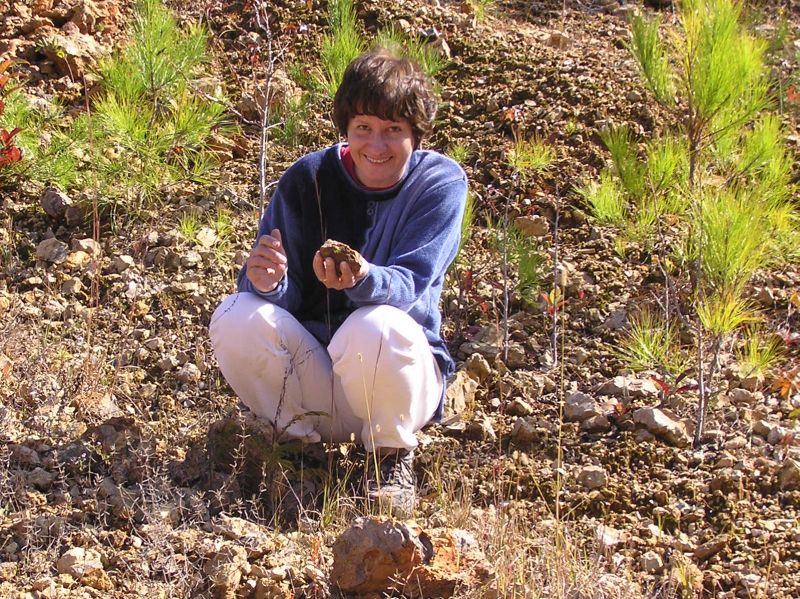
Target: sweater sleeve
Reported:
point(424, 246)
point(279, 215)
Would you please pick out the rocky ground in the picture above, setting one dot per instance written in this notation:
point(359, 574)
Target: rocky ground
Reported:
point(126, 471)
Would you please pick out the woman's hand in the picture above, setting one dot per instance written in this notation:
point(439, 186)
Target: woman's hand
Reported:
point(325, 269)
point(267, 263)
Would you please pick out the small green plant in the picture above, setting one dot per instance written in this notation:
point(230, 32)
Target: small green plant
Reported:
point(666, 170)
point(649, 343)
point(735, 233)
point(758, 353)
point(189, 225)
point(723, 314)
point(530, 261)
point(293, 114)
point(302, 75)
point(625, 157)
point(396, 40)
point(571, 126)
point(466, 223)
point(460, 152)
point(606, 200)
point(652, 58)
point(529, 156)
point(482, 8)
point(341, 45)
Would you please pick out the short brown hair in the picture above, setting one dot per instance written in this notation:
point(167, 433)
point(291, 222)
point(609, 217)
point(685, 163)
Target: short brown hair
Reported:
point(378, 83)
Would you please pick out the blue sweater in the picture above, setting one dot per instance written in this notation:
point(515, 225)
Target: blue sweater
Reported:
point(408, 233)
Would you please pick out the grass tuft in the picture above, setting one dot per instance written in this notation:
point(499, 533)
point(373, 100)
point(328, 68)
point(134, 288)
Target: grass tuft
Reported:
point(606, 200)
point(650, 342)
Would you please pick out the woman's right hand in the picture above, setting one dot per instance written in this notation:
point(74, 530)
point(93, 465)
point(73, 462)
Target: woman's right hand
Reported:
point(267, 263)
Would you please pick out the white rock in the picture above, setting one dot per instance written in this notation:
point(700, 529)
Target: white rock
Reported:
point(52, 250)
point(121, 263)
point(651, 562)
point(79, 561)
point(88, 245)
point(663, 426)
point(460, 393)
point(580, 406)
point(621, 386)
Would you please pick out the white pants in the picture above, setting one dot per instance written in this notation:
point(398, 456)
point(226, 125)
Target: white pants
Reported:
point(376, 383)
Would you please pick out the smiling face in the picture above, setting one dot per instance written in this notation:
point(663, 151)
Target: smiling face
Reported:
point(380, 149)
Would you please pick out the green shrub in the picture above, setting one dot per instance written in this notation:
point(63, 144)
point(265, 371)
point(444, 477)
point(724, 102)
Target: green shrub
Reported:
point(341, 45)
point(529, 156)
point(428, 58)
point(606, 200)
point(758, 353)
point(650, 343)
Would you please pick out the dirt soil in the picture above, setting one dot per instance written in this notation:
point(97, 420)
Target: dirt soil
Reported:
point(122, 446)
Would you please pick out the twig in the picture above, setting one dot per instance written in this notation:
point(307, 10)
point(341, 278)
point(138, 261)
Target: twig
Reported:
point(554, 338)
point(505, 279)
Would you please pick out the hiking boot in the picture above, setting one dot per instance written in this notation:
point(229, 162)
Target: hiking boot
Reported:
point(392, 487)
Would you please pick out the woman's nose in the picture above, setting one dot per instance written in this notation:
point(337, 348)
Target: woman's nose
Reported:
point(378, 140)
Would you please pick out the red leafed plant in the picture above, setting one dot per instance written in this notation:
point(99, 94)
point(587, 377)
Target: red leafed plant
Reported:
point(8, 151)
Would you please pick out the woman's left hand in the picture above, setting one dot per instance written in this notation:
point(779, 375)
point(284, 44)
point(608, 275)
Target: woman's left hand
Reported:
point(325, 269)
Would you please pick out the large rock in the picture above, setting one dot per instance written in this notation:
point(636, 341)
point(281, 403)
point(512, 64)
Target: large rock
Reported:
point(789, 475)
point(282, 92)
point(90, 16)
point(72, 55)
point(460, 393)
point(225, 569)
point(54, 202)
point(78, 562)
point(377, 555)
point(592, 477)
point(580, 406)
point(663, 426)
point(533, 226)
point(631, 387)
point(52, 250)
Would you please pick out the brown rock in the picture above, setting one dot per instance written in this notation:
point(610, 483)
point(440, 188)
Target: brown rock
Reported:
point(225, 570)
point(460, 393)
point(533, 226)
point(282, 91)
point(479, 367)
point(341, 252)
point(580, 406)
point(789, 475)
point(77, 562)
point(712, 547)
point(592, 477)
point(52, 250)
point(88, 15)
point(97, 579)
point(71, 54)
point(379, 555)
point(663, 426)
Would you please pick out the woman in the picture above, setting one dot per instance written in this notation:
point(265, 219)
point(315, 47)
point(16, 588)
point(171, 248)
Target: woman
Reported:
point(333, 352)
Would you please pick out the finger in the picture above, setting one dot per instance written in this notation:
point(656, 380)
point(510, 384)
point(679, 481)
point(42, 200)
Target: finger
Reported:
point(319, 267)
point(348, 278)
point(267, 250)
